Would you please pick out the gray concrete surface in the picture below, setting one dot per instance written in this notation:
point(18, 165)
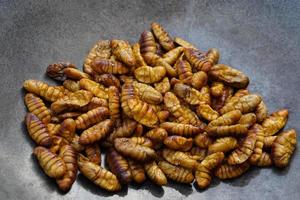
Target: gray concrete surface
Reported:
point(259, 37)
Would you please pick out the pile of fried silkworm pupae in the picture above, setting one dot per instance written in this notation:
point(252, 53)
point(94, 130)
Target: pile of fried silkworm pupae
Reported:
point(159, 109)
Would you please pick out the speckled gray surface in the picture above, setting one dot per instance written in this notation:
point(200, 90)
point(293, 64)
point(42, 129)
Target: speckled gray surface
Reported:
point(259, 37)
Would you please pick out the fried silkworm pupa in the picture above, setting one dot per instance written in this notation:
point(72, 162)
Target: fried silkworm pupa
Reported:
point(53, 129)
point(224, 145)
point(175, 173)
point(125, 130)
point(213, 55)
point(218, 103)
point(57, 143)
point(137, 171)
point(67, 129)
point(183, 43)
point(132, 150)
point(42, 89)
point(189, 94)
point(261, 112)
point(36, 106)
point(94, 103)
point(119, 166)
point(198, 59)
point(283, 148)
point(185, 130)
point(147, 93)
point(184, 71)
point(93, 153)
point(107, 80)
point(37, 130)
point(139, 130)
point(203, 171)
point(95, 88)
point(52, 165)
point(67, 115)
point(96, 132)
point(163, 115)
point(138, 56)
point(92, 117)
point(258, 149)
point(157, 135)
point(179, 143)
point(244, 151)
point(146, 74)
point(142, 141)
point(264, 161)
point(123, 51)
point(207, 112)
point(202, 140)
point(172, 55)
point(162, 36)
point(198, 153)
point(216, 89)
point(179, 158)
point(226, 171)
point(229, 76)
point(163, 86)
point(155, 173)
point(75, 74)
point(98, 175)
point(269, 140)
point(75, 143)
point(56, 70)
point(235, 130)
point(248, 119)
point(69, 156)
point(276, 121)
point(147, 42)
point(237, 95)
point(114, 104)
point(199, 80)
point(106, 66)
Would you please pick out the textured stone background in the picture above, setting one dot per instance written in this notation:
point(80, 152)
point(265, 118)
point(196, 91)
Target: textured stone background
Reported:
point(259, 37)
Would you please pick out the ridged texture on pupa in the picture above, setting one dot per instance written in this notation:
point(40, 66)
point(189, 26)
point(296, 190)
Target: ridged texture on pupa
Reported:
point(207, 112)
point(146, 74)
point(163, 86)
point(75, 74)
point(95, 88)
point(227, 171)
point(198, 59)
point(92, 117)
point(202, 140)
point(137, 171)
point(56, 70)
point(259, 144)
point(224, 145)
point(175, 173)
point(217, 88)
point(147, 93)
point(123, 52)
point(114, 104)
point(93, 153)
point(107, 80)
point(185, 130)
point(147, 42)
point(104, 66)
point(155, 174)
point(125, 130)
point(162, 36)
point(136, 49)
point(261, 112)
point(172, 55)
point(213, 55)
point(190, 95)
point(179, 158)
point(179, 143)
point(276, 121)
point(67, 129)
point(183, 43)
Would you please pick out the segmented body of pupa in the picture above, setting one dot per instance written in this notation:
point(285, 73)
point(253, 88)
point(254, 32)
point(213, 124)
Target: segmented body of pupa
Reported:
point(136, 49)
point(107, 80)
point(67, 129)
point(172, 55)
point(179, 143)
point(148, 74)
point(175, 173)
point(226, 171)
point(185, 130)
point(91, 117)
point(162, 36)
point(123, 51)
point(198, 59)
point(95, 88)
point(224, 145)
point(114, 104)
point(155, 173)
point(93, 153)
point(163, 86)
point(106, 66)
point(147, 93)
point(75, 74)
point(147, 42)
point(276, 121)
point(179, 158)
point(137, 171)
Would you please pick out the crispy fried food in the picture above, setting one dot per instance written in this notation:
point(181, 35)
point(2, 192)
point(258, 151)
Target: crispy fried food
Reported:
point(155, 173)
point(107, 80)
point(69, 156)
point(217, 89)
point(264, 160)
point(148, 74)
point(101, 50)
point(235, 130)
point(157, 135)
point(229, 118)
point(198, 59)
point(52, 165)
point(114, 104)
point(73, 101)
point(199, 80)
point(92, 117)
point(249, 119)
point(57, 143)
point(202, 140)
point(162, 36)
point(276, 121)
point(229, 76)
point(244, 151)
point(184, 71)
point(172, 55)
point(283, 148)
point(137, 171)
point(237, 95)
point(36, 106)
point(179, 143)
point(95, 103)
point(132, 150)
point(53, 128)
point(175, 173)
point(75, 143)
point(37, 130)
point(224, 145)
point(261, 112)
point(67, 115)
point(269, 140)
point(106, 66)
point(123, 52)
point(163, 86)
point(189, 94)
point(96, 132)
point(258, 149)
point(139, 130)
point(226, 171)
point(75, 74)
point(147, 42)
point(42, 89)
point(119, 166)
point(98, 175)
point(67, 129)
point(163, 115)
point(198, 153)
point(213, 55)
point(207, 112)
point(218, 103)
point(93, 153)
point(179, 158)
point(183, 43)
point(71, 85)
point(147, 93)
point(125, 130)
point(95, 88)
point(56, 70)
point(185, 130)
point(136, 49)
point(146, 142)
point(203, 171)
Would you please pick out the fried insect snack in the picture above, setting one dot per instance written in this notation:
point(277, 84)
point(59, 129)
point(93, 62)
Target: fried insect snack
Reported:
point(69, 156)
point(52, 165)
point(73, 101)
point(98, 175)
point(183, 43)
point(42, 89)
point(198, 59)
point(163, 86)
point(264, 161)
point(203, 171)
point(207, 112)
point(137, 171)
point(269, 140)
point(75, 74)
point(172, 55)
point(57, 143)
point(106, 66)
point(123, 52)
point(125, 130)
point(147, 93)
point(107, 80)
point(101, 50)
point(56, 70)
point(155, 174)
point(36, 106)
point(217, 89)
point(229, 76)
point(71, 85)
point(236, 130)
point(175, 173)
point(276, 121)
point(92, 117)
point(179, 158)
point(244, 151)
point(147, 42)
point(94, 103)
point(218, 103)
point(162, 36)
point(67, 115)
point(157, 135)
point(189, 94)
point(179, 143)
point(119, 166)
point(146, 74)
point(197, 153)
point(67, 129)
point(237, 95)
point(146, 142)
point(75, 143)
point(114, 104)
point(202, 140)
point(199, 80)
point(136, 49)
point(53, 129)
point(96, 132)
point(37, 130)
point(213, 55)
point(226, 171)
point(184, 71)
point(185, 130)
point(95, 88)
point(258, 149)
point(261, 112)
point(283, 148)
point(224, 145)
point(249, 119)
point(93, 153)
point(132, 150)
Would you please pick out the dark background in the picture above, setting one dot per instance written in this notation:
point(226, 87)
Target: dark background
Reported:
point(260, 38)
